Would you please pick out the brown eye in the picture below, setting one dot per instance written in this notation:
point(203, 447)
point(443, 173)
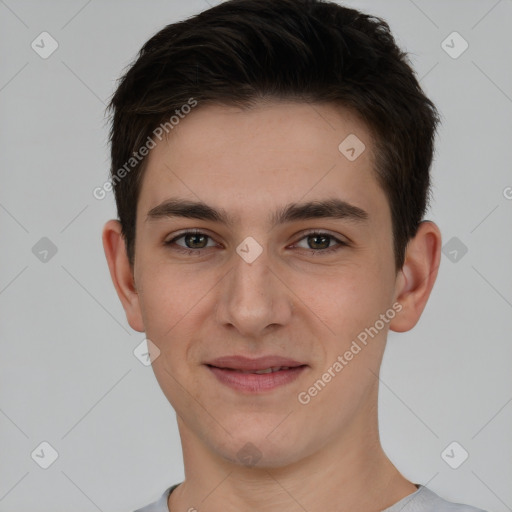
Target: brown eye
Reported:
point(193, 241)
point(321, 242)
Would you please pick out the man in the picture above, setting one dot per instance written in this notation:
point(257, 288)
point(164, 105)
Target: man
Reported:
point(270, 162)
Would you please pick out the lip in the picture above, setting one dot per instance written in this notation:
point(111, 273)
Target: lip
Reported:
point(224, 369)
point(251, 364)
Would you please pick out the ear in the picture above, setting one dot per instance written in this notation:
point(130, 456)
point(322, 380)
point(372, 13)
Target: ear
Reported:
point(122, 273)
point(417, 277)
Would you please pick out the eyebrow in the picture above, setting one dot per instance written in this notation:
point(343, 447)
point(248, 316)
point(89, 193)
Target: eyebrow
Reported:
point(330, 208)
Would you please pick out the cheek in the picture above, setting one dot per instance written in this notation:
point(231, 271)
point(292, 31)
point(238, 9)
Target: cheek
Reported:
point(169, 294)
point(175, 304)
point(344, 300)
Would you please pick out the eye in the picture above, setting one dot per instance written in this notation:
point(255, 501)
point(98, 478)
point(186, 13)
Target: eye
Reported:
point(318, 241)
point(194, 241)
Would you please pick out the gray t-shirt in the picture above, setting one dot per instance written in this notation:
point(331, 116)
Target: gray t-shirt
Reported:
point(423, 500)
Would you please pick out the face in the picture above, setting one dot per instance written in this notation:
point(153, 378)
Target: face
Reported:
point(265, 276)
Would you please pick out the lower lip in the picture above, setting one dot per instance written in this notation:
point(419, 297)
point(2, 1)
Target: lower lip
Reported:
point(254, 382)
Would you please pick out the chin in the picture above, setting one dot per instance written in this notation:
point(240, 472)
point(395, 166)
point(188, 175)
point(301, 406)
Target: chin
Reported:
point(258, 451)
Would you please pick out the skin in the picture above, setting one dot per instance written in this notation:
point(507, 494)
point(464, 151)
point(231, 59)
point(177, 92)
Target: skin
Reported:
point(291, 301)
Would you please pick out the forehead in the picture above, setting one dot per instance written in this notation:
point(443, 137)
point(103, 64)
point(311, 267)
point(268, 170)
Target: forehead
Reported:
point(273, 153)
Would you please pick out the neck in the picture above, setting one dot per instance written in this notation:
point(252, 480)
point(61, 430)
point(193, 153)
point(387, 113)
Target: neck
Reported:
point(349, 472)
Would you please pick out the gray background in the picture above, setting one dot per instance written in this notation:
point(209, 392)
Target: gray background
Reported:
point(68, 375)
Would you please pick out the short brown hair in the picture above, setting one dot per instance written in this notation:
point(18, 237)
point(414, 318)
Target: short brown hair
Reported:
point(306, 50)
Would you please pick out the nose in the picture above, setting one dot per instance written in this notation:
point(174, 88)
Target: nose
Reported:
point(253, 299)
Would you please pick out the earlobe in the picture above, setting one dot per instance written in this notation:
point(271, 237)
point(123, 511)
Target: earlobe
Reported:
point(416, 279)
point(122, 273)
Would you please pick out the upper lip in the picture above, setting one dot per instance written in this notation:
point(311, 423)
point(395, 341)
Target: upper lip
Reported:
point(247, 363)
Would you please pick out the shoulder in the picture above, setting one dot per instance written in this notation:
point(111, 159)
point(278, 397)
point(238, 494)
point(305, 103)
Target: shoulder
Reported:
point(159, 505)
point(423, 500)
point(426, 500)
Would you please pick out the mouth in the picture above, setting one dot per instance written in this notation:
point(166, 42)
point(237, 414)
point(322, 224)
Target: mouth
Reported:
point(259, 372)
point(255, 375)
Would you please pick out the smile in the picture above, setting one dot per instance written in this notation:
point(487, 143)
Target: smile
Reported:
point(257, 381)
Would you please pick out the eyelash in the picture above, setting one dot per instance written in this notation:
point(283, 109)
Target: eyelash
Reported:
point(198, 252)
